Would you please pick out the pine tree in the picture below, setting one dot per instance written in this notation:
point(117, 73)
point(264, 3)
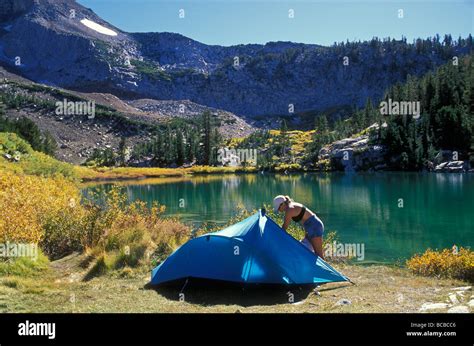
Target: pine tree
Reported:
point(179, 148)
point(122, 151)
point(206, 137)
point(283, 139)
point(49, 145)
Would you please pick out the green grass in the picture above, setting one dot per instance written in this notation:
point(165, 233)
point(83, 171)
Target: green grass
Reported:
point(150, 70)
point(30, 161)
point(25, 266)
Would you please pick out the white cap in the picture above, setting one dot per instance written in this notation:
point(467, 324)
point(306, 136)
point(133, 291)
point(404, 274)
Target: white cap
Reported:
point(277, 201)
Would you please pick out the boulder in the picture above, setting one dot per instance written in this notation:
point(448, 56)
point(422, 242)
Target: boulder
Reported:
point(441, 166)
point(344, 302)
point(463, 288)
point(460, 309)
point(453, 299)
point(433, 306)
point(455, 164)
point(452, 166)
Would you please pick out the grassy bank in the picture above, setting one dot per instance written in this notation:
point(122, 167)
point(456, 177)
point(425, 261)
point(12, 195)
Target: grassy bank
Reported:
point(130, 173)
point(61, 288)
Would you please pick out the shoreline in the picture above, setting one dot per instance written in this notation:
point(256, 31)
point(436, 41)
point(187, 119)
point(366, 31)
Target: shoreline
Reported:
point(86, 174)
point(105, 175)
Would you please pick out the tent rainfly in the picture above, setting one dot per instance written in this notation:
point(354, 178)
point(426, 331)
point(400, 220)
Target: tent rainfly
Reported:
point(254, 251)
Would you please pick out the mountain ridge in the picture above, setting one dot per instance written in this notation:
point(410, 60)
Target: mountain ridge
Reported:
point(247, 80)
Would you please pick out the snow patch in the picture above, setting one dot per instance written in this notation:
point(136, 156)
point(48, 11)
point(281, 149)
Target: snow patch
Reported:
point(97, 27)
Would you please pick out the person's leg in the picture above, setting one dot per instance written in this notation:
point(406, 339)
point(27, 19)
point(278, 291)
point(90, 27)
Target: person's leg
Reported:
point(307, 243)
point(315, 228)
point(317, 243)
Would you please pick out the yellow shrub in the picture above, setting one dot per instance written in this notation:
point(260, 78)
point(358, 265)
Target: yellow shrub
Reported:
point(27, 203)
point(324, 165)
point(444, 263)
point(288, 167)
point(130, 234)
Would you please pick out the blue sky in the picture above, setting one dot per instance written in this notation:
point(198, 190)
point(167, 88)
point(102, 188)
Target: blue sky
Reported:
point(229, 22)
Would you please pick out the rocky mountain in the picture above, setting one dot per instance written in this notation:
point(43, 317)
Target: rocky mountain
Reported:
point(61, 43)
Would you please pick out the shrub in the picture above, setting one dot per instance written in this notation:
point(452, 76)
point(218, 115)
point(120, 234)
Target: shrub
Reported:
point(130, 235)
point(150, 70)
point(35, 209)
point(11, 143)
point(288, 167)
point(444, 263)
point(47, 209)
point(50, 212)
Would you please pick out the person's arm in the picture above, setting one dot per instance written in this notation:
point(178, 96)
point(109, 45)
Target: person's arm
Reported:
point(287, 221)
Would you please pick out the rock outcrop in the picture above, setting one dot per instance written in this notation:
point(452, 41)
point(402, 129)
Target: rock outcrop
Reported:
point(447, 161)
point(453, 167)
point(354, 154)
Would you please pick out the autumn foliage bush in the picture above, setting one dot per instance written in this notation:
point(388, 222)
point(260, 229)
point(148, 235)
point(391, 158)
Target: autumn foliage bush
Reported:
point(33, 209)
point(41, 203)
point(445, 263)
point(131, 234)
point(52, 213)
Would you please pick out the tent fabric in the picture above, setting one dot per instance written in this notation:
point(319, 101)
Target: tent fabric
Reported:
point(255, 250)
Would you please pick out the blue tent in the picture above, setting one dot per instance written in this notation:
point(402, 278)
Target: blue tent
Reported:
point(255, 250)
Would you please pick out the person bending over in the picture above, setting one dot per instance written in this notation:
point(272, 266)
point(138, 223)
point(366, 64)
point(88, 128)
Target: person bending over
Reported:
point(297, 212)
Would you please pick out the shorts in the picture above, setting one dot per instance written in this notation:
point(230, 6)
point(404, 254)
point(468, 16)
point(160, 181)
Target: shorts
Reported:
point(314, 227)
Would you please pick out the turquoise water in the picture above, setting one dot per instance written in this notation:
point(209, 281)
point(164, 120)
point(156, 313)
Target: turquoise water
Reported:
point(393, 214)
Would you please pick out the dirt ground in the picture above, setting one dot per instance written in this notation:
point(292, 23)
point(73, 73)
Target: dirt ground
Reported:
point(377, 289)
